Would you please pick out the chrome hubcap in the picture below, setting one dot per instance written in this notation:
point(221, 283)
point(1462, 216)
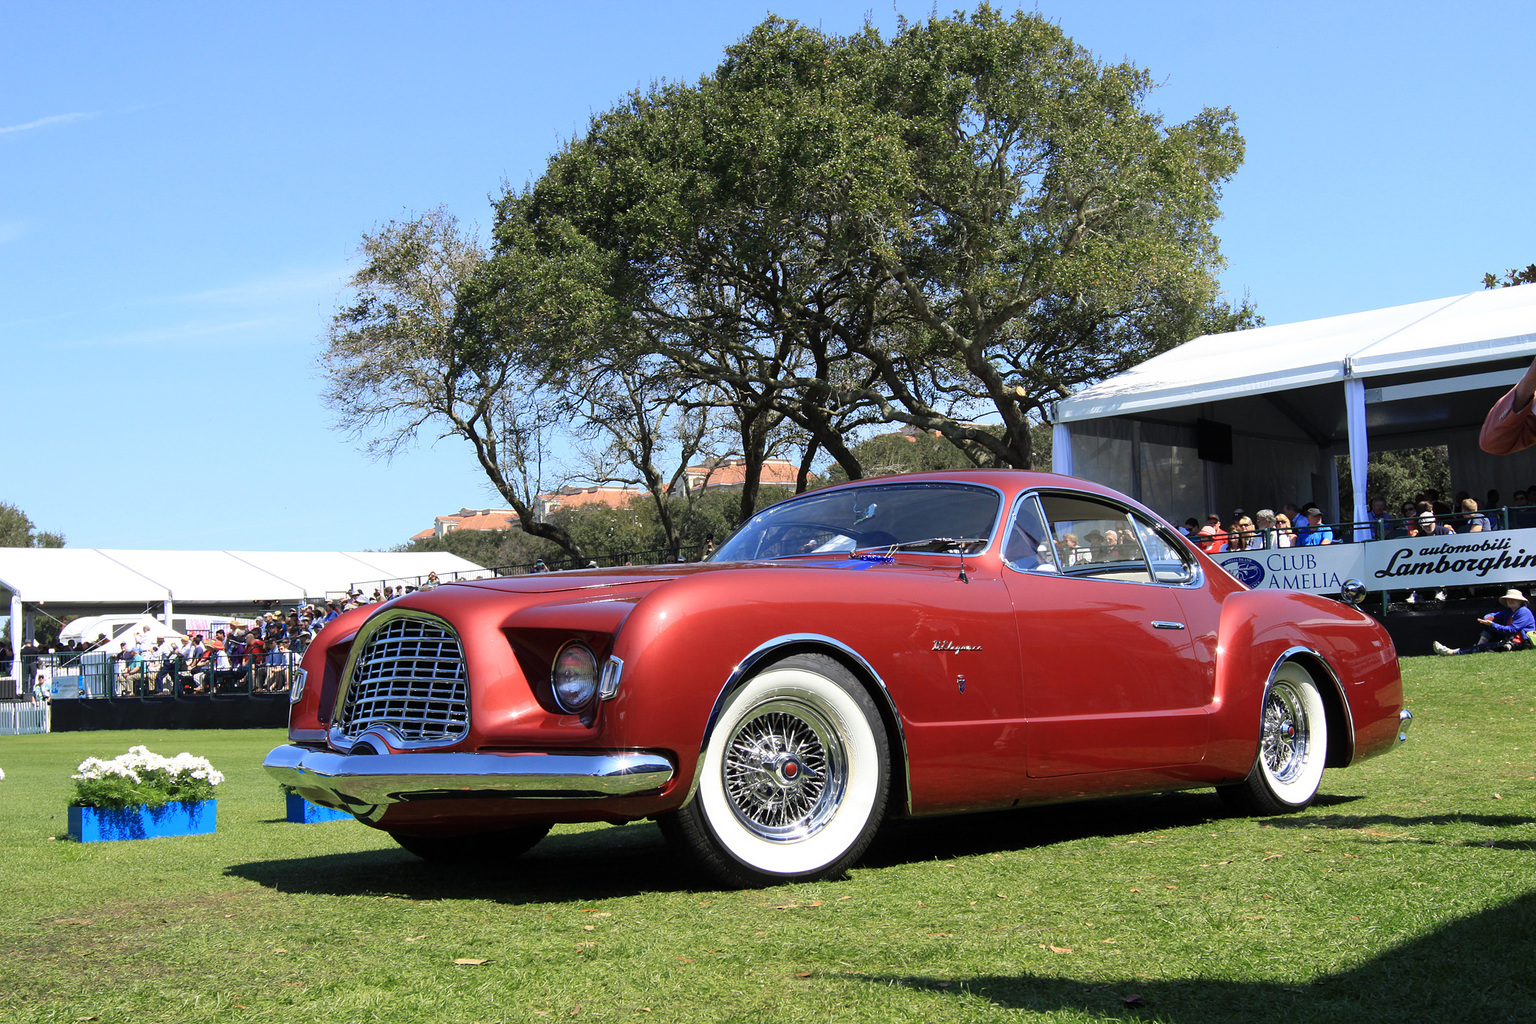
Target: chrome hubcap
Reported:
point(1284, 743)
point(784, 770)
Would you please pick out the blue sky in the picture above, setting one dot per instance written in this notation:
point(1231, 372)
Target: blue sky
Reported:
point(183, 186)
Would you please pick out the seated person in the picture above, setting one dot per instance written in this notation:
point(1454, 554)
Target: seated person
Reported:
point(1502, 631)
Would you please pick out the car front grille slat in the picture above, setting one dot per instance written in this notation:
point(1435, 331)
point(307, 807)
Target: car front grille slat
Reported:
point(409, 677)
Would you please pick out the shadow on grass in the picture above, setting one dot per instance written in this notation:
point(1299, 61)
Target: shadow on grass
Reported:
point(995, 832)
point(1474, 969)
point(630, 859)
point(602, 863)
point(1374, 824)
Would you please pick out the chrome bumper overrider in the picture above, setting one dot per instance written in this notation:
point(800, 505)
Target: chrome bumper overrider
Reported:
point(1404, 720)
point(355, 782)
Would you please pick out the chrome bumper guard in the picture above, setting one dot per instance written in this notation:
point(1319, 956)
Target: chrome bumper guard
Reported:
point(1404, 720)
point(356, 782)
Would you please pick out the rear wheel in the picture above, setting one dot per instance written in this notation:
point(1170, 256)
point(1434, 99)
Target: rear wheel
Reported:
point(1293, 744)
point(501, 845)
point(794, 778)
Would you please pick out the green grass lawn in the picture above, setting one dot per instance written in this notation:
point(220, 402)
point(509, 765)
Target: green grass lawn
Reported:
point(1407, 893)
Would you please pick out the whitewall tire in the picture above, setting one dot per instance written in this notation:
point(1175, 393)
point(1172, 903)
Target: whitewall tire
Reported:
point(793, 780)
point(1293, 747)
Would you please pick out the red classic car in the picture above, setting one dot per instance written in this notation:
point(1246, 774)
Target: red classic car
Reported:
point(913, 645)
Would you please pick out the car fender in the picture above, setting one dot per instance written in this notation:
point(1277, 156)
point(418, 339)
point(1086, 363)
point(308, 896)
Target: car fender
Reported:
point(1262, 629)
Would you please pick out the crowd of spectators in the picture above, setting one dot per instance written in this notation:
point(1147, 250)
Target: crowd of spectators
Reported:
point(1426, 516)
point(258, 655)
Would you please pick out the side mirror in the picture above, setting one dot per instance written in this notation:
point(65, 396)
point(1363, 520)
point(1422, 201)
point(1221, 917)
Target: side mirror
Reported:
point(1353, 592)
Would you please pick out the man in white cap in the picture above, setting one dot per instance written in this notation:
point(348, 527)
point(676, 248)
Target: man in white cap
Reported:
point(1502, 631)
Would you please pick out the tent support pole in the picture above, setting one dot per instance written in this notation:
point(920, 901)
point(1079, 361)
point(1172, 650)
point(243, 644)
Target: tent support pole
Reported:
point(1359, 453)
point(16, 628)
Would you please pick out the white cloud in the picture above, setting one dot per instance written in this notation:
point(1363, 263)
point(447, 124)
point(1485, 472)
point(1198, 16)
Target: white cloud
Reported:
point(44, 122)
point(284, 286)
point(188, 335)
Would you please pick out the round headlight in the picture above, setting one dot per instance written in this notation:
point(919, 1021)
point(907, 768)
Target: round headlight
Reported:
point(573, 677)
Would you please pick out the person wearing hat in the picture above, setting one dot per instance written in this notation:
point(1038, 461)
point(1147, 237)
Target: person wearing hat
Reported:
point(1429, 526)
point(1505, 630)
point(1212, 536)
point(1314, 532)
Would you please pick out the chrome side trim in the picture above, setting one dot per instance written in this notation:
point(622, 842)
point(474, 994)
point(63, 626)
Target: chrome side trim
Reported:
point(744, 669)
point(358, 782)
point(1314, 657)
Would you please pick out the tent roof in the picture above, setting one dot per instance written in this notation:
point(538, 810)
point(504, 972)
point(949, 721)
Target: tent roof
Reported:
point(1482, 327)
point(97, 576)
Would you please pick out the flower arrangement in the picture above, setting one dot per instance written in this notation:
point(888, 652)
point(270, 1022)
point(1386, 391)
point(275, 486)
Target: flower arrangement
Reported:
point(143, 778)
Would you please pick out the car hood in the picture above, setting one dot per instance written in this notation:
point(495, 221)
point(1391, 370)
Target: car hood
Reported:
point(585, 579)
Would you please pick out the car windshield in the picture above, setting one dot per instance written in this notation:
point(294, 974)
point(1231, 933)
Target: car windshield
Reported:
point(937, 518)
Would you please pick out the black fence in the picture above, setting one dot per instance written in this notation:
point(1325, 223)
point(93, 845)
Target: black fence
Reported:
point(96, 675)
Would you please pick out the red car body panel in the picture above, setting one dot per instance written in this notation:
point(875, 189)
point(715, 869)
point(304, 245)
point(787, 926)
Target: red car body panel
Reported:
point(998, 687)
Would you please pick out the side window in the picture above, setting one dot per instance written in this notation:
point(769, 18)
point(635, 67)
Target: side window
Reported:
point(1028, 547)
point(1096, 539)
point(1170, 562)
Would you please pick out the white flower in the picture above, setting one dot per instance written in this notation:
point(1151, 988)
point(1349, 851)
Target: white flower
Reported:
point(141, 761)
point(2, 773)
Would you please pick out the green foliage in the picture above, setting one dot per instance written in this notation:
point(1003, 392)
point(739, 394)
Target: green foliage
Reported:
point(975, 216)
point(16, 530)
point(489, 548)
point(1511, 278)
point(1399, 476)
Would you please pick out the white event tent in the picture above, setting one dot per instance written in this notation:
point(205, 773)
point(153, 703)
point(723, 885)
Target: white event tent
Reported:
point(89, 580)
point(1254, 418)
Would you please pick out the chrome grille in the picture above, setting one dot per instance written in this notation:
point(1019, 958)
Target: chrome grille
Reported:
point(409, 677)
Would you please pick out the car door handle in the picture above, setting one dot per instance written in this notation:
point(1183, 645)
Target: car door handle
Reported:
point(1159, 624)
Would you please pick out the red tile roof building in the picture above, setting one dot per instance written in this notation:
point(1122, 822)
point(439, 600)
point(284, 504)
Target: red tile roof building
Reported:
point(571, 496)
point(733, 473)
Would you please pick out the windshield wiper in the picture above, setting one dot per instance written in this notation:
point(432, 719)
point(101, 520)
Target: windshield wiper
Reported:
point(958, 545)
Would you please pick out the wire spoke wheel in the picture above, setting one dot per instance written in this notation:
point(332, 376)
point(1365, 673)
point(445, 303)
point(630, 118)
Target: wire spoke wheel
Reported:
point(785, 770)
point(1286, 736)
point(793, 780)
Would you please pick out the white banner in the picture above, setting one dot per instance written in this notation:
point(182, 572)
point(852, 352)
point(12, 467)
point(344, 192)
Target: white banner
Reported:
point(1320, 569)
point(1465, 559)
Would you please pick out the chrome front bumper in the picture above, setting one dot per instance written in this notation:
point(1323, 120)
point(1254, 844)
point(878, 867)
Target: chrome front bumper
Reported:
point(360, 782)
point(1404, 720)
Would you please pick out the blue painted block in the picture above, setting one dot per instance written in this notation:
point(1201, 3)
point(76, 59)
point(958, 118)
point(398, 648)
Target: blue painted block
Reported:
point(303, 812)
point(107, 824)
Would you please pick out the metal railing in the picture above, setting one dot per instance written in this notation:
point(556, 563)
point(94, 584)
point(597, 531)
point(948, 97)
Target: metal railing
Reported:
point(97, 676)
point(1391, 528)
point(23, 719)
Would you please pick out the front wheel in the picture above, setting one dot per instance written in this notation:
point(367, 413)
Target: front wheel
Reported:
point(793, 781)
point(1293, 744)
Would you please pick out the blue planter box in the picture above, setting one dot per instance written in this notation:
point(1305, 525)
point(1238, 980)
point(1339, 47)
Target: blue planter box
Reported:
point(303, 812)
point(106, 824)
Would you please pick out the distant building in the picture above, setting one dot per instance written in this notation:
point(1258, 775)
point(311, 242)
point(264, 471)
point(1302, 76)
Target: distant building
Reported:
point(732, 473)
point(571, 496)
point(470, 519)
